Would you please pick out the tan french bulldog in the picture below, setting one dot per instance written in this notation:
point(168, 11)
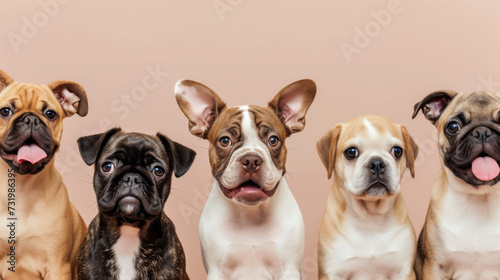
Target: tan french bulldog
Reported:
point(45, 229)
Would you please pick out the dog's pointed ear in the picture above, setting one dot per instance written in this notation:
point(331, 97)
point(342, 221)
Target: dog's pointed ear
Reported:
point(411, 150)
point(200, 105)
point(5, 80)
point(72, 97)
point(433, 105)
point(91, 146)
point(182, 157)
point(326, 148)
point(292, 102)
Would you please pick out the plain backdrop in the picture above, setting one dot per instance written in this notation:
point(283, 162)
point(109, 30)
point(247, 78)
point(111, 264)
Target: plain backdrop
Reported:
point(377, 57)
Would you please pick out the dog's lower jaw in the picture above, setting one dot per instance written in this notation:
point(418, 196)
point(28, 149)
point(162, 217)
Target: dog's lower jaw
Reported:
point(256, 206)
point(460, 186)
point(49, 173)
point(254, 197)
point(365, 206)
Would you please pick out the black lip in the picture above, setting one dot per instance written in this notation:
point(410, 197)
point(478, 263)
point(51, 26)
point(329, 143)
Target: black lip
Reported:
point(112, 205)
point(251, 183)
point(463, 169)
point(26, 167)
point(466, 148)
point(27, 140)
point(114, 211)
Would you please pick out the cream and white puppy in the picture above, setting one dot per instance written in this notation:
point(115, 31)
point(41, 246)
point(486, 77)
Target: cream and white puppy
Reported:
point(366, 232)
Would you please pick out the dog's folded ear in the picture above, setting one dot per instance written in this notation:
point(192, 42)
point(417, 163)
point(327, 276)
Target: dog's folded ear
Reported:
point(200, 105)
point(182, 157)
point(292, 102)
point(5, 80)
point(433, 105)
point(72, 97)
point(90, 146)
point(411, 151)
point(326, 148)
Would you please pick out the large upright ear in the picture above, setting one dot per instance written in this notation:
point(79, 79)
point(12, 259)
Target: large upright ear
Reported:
point(326, 147)
point(72, 97)
point(433, 105)
point(182, 156)
point(90, 146)
point(5, 80)
point(411, 151)
point(292, 102)
point(200, 105)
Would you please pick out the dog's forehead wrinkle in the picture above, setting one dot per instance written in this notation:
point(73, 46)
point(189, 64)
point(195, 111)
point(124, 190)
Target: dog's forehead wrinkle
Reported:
point(228, 119)
point(137, 147)
point(475, 103)
point(379, 135)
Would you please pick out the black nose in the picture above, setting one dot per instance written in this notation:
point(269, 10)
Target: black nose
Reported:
point(377, 166)
point(251, 163)
point(31, 120)
point(481, 133)
point(132, 179)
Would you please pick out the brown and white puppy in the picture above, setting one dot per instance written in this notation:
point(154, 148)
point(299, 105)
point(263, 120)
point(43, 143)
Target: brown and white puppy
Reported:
point(251, 226)
point(366, 232)
point(48, 229)
point(461, 234)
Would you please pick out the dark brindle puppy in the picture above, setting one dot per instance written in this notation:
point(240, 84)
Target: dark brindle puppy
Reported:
point(131, 237)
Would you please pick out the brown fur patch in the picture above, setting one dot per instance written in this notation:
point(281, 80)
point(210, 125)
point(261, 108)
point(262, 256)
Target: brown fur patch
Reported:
point(227, 124)
point(268, 124)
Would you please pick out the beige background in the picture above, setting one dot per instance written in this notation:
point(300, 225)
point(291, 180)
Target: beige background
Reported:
point(247, 51)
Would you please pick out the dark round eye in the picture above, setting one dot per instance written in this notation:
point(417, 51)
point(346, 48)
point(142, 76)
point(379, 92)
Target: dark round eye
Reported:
point(51, 115)
point(351, 153)
point(273, 141)
point(453, 128)
point(107, 167)
point(225, 141)
point(5, 112)
point(158, 171)
point(397, 152)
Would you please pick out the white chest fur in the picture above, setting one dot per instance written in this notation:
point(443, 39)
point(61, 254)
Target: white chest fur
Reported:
point(470, 230)
point(246, 248)
point(376, 253)
point(125, 250)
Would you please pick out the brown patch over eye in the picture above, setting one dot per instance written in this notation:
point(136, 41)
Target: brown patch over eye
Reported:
point(224, 137)
point(272, 133)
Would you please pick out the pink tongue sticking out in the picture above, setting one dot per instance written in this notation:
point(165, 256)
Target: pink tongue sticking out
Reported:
point(31, 153)
point(485, 168)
